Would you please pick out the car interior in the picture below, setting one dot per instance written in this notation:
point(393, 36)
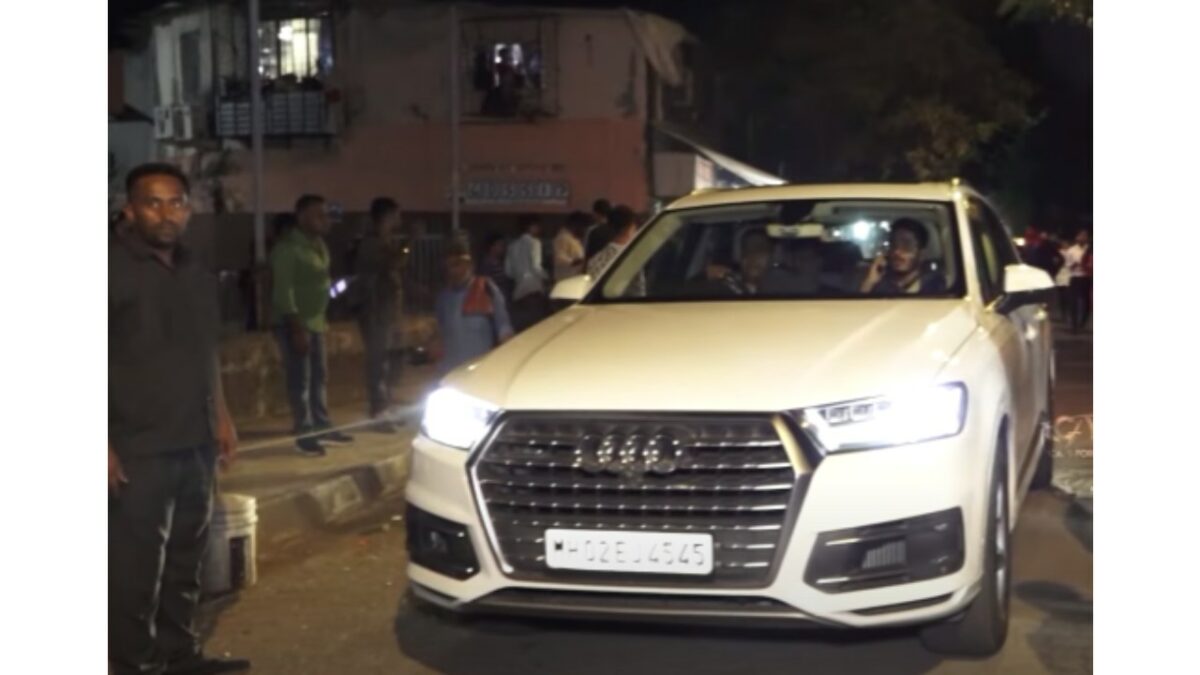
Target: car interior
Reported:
point(809, 249)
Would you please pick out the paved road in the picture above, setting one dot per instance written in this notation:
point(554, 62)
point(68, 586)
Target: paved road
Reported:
point(1073, 408)
point(338, 605)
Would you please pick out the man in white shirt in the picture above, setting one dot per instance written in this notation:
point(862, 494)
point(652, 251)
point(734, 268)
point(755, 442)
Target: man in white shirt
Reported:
point(568, 249)
point(1062, 280)
point(523, 264)
point(1079, 290)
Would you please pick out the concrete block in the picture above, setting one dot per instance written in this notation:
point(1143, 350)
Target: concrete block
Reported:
point(391, 474)
point(335, 498)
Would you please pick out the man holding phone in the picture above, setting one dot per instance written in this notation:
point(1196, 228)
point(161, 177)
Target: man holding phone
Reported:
point(898, 270)
point(299, 299)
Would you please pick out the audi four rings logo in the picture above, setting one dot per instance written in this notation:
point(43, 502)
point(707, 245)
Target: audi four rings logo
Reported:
point(629, 455)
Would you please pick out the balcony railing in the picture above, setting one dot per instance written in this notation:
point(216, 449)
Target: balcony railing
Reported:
point(287, 113)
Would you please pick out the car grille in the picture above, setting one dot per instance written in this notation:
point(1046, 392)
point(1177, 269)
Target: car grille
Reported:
point(728, 476)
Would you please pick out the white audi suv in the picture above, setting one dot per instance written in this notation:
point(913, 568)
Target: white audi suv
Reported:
point(808, 404)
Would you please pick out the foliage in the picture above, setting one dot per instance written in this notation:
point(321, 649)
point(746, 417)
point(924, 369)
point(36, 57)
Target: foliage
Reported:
point(872, 89)
point(1073, 11)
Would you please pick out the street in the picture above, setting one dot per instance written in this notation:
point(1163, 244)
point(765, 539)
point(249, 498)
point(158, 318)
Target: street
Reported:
point(337, 603)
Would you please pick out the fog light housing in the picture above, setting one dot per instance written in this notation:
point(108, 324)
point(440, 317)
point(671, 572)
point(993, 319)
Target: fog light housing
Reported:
point(885, 554)
point(440, 545)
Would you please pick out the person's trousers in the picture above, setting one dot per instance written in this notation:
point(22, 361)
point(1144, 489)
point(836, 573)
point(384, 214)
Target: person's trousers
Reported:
point(1081, 302)
point(306, 375)
point(157, 538)
point(376, 329)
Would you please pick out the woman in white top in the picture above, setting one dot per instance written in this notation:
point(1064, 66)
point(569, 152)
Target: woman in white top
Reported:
point(1062, 279)
point(568, 249)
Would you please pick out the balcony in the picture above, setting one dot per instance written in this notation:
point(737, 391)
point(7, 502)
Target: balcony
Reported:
point(286, 114)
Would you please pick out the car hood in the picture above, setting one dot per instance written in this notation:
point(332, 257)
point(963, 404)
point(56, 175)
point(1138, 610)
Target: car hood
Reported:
point(719, 356)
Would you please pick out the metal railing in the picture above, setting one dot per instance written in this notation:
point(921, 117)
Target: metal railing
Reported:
point(424, 272)
point(424, 275)
point(285, 113)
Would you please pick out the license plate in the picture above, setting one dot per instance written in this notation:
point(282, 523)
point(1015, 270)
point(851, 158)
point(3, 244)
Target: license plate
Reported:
point(618, 551)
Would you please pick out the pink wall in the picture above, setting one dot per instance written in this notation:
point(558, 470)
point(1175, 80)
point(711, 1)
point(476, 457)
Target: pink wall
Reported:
point(595, 157)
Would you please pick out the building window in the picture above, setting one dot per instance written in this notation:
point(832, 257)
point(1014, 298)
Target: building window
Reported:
point(296, 48)
point(510, 76)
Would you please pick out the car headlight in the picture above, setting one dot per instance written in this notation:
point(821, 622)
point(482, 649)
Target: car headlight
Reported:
point(910, 417)
point(455, 419)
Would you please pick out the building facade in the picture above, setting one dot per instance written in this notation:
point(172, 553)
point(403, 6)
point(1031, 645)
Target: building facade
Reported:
point(559, 107)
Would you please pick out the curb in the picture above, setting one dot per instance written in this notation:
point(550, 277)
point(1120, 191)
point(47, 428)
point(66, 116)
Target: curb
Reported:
point(333, 501)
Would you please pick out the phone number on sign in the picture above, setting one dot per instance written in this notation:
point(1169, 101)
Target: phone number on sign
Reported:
point(486, 191)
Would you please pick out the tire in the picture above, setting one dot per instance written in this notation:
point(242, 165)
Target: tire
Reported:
point(982, 629)
point(1043, 476)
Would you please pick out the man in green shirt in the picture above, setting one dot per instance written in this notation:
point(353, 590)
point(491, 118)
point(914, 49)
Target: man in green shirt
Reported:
point(300, 296)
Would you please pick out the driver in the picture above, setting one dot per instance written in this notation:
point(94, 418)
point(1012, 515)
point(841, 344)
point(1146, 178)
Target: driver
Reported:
point(754, 265)
point(899, 271)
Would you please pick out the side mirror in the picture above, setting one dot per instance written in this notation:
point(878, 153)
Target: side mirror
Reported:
point(572, 289)
point(1024, 285)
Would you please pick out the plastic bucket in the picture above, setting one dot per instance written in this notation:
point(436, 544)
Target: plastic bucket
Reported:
point(232, 545)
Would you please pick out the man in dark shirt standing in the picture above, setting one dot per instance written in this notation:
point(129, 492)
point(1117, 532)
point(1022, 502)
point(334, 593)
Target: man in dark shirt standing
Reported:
point(601, 233)
point(168, 427)
point(379, 271)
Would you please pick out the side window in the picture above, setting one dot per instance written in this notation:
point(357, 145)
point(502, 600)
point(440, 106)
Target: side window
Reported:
point(990, 269)
point(1000, 236)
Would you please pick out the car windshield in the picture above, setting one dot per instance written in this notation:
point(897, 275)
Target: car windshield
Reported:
point(796, 249)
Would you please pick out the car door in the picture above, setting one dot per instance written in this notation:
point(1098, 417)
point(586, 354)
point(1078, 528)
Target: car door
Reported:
point(994, 250)
point(1033, 320)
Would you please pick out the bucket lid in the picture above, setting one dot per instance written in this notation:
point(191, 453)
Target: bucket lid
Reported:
point(227, 506)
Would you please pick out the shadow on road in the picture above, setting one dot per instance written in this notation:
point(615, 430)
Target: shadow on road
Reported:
point(1061, 641)
point(503, 646)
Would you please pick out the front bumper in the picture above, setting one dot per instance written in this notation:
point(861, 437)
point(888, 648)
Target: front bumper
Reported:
point(843, 494)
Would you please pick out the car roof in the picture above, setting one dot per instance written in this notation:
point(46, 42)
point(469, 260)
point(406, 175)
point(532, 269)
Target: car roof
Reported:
point(916, 191)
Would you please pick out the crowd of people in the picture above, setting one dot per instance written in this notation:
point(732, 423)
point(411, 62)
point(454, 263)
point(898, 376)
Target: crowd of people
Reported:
point(1069, 263)
point(523, 271)
point(169, 426)
point(481, 305)
point(509, 287)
